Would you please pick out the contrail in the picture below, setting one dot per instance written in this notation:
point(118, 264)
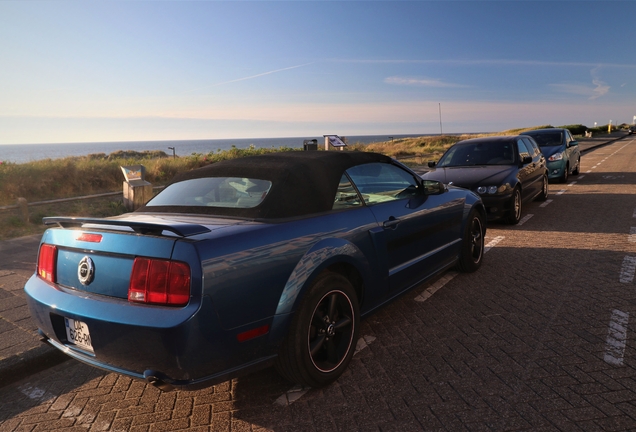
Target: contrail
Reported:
point(251, 77)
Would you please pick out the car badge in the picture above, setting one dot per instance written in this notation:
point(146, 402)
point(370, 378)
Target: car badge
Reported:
point(85, 271)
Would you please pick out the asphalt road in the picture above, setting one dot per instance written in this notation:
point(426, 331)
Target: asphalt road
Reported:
point(541, 338)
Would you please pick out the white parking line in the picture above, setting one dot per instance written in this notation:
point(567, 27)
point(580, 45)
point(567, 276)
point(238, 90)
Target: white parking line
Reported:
point(492, 243)
point(291, 396)
point(525, 219)
point(363, 342)
point(581, 177)
point(627, 270)
point(572, 184)
point(561, 192)
point(35, 393)
point(545, 204)
point(616, 338)
point(428, 292)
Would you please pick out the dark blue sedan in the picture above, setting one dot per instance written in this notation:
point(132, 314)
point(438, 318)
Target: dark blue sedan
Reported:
point(506, 171)
point(561, 151)
point(243, 264)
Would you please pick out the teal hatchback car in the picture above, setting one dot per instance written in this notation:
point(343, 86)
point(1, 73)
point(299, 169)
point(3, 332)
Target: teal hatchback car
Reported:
point(561, 152)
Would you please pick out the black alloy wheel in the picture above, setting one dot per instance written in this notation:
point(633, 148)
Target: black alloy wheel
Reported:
point(472, 251)
point(331, 331)
point(323, 333)
point(515, 208)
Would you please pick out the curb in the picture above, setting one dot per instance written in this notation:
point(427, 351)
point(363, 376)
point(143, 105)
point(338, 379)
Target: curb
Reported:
point(23, 365)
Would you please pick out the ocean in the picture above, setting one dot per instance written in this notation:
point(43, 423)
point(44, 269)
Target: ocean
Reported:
point(21, 153)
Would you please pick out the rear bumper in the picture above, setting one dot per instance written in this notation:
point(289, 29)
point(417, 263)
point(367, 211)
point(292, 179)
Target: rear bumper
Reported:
point(160, 379)
point(183, 347)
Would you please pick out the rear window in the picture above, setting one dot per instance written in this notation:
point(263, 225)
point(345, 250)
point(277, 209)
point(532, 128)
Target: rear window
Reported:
point(229, 192)
point(548, 139)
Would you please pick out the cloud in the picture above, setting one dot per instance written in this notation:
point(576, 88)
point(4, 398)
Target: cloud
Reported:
point(575, 89)
point(599, 87)
point(422, 82)
point(486, 62)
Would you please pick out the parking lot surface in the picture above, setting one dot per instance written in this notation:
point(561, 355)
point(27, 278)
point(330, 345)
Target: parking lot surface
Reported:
point(540, 338)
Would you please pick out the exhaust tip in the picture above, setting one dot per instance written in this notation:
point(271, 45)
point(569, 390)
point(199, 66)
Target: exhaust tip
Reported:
point(152, 378)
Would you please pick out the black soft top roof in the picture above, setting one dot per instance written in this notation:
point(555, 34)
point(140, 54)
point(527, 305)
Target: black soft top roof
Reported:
point(303, 182)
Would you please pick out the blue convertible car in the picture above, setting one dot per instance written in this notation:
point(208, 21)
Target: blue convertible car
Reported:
point(246, 263)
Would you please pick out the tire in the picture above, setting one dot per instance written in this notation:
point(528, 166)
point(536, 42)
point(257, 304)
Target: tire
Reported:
point(566, 172)
point(577, 170)
point(323, 333)
point(472, 252)
point(515, 208)
point(543, 195)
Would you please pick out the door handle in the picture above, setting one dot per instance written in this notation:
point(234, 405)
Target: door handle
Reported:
point(392, 223)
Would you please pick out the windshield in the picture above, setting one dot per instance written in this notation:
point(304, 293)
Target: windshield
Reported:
point(479, 153)
point(232, 192)
point(548, 139)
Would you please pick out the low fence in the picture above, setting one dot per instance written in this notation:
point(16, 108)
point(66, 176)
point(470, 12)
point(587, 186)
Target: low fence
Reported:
point(23, 202)
point(22, 205)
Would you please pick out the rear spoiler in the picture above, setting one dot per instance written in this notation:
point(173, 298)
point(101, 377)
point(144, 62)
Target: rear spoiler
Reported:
point(178, 228)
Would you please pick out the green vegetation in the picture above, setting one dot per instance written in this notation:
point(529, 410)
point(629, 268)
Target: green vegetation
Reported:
point(99, 173)
point(70, 177)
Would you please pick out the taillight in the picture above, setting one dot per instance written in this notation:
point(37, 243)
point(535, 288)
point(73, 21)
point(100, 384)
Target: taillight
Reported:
point(46, 262)
point(159, 282)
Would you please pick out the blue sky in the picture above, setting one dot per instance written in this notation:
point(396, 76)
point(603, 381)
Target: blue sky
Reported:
point(79, 71)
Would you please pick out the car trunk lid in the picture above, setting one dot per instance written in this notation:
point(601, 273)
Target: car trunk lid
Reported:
point(97, 255)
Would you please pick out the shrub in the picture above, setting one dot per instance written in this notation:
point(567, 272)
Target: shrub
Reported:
point(578, 129)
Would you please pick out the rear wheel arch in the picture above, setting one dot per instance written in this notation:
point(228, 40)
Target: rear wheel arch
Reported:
point(352, 274)
point(352, 264)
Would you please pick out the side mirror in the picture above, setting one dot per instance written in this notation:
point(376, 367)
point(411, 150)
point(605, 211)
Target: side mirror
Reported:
point(573, 143)
point(433, 187)
point(431, 164)
point(526, 160)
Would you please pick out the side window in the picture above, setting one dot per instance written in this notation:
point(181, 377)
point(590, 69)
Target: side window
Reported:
point(346, 196)
point(532, 146)
point(381, 182)
point(523, 150)
point(568, 138)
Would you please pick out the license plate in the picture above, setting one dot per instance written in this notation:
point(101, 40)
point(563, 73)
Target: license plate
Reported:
point(77, 334)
